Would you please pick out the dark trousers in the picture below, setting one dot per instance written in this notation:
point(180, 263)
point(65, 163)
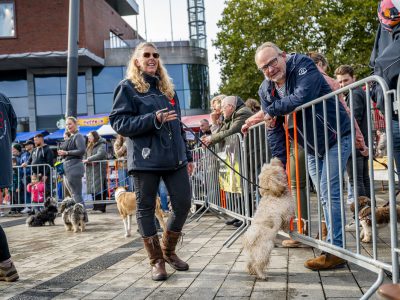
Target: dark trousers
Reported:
point(4, 251)
point(363, 182)
point(146, 186)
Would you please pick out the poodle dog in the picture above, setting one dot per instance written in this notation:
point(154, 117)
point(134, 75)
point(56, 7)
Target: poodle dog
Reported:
point(47, 215)
point(73, 215)
point(382, 216)
point(126, 203)
point(273, 213)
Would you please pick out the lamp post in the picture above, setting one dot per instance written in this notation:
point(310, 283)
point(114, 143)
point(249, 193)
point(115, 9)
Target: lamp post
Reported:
point(72, 62)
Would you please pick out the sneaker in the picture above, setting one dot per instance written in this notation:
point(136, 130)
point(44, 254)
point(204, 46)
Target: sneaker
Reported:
point(26, 210)
point(351, 227)
point(8, 274)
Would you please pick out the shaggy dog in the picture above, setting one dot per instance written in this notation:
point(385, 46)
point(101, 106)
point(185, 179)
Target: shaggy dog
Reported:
point(273, 213)
point(382, 216)
point(73, 215)
point(47, 215)
point(126, 203)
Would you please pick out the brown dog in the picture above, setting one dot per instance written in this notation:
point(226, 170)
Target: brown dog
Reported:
point(382, 216)
point(126, 203)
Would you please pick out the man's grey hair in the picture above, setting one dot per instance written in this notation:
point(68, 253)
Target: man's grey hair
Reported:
point(269, 45)
point(204, 121)
point(232, 100)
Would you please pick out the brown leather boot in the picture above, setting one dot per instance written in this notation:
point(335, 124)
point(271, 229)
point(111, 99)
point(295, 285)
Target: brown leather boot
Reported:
point(169, 241)
point(325, 261)
point(324, 231)
point(153, 249)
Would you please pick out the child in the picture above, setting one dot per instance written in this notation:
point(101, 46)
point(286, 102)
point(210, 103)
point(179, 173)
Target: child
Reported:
point(36, 187)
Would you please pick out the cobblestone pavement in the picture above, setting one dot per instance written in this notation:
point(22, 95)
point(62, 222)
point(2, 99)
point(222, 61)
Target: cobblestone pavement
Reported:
point(101, 263)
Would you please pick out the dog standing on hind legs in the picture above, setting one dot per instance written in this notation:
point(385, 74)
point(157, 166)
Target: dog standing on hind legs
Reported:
point(273, 213)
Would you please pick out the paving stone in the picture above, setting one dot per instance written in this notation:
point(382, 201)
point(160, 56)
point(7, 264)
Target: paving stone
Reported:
point(268, 295)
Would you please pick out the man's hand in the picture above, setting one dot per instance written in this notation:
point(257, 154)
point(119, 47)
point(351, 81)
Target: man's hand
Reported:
point(269, 121)
point(206, 139)
point(253, 120)
point(190, 168)
point(365, 151)
point(24, 165)
point(245, 128)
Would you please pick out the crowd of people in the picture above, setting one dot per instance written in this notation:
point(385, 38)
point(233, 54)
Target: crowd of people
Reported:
point(146, 111)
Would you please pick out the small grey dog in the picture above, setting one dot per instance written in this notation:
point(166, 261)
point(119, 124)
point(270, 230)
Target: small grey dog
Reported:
point(73, 215)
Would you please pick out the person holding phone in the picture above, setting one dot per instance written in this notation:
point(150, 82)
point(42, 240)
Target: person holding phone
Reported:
point(146, 110)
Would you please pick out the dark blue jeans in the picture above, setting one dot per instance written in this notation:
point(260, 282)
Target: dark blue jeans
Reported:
point(146, 186)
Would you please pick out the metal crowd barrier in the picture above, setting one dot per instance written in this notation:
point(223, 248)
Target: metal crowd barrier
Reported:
point(20, 194)
point(254, 153)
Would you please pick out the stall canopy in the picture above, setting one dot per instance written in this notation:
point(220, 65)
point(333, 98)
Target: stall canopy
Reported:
point(59, 134)
point(106, 131)
point(24, 136)
point(193, 122)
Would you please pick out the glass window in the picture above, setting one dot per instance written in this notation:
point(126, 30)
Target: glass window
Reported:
point(7, 19)
point(82, 104)
point(47, 85)
point(81, 84)
point(20, 106)
point(181, 98)
point(103, 103)
point(48, 123)
point(14, 84)
point(48, 105)
point(106, 79)
point(175, 72)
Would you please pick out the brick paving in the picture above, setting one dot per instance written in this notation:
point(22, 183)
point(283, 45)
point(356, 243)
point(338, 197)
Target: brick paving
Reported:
point(102, 264)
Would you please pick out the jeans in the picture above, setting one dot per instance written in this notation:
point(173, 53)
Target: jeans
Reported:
point(163, 193)
point(396, 146)
point(146, 186)
point(334, 183)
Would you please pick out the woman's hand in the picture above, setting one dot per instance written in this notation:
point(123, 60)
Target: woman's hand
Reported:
point(85, 161)
point(166, 116)
point(62, 152)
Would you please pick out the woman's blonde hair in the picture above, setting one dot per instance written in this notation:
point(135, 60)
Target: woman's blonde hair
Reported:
point(134, 74)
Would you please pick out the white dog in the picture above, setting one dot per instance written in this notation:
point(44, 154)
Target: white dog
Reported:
point(273, 213)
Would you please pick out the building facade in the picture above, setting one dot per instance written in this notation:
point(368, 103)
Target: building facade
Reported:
point(33, 59)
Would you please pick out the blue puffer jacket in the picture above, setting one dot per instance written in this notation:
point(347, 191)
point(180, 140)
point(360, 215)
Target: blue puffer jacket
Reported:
point(133, 115)
point(304, 83)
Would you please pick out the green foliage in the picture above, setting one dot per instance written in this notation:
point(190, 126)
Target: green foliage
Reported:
point(343, 30)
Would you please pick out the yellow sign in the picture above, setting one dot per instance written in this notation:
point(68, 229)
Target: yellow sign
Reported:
point(93, 120)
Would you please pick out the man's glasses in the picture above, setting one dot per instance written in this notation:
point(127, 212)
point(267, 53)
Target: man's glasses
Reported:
point(148, 54)
point(272, 64)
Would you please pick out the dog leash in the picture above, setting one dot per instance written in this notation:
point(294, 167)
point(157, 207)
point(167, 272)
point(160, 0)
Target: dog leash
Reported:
point(220, 158)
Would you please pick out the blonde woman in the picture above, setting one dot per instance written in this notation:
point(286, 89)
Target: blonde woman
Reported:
point(146, 110)
point(73, 150)
point(216, 113)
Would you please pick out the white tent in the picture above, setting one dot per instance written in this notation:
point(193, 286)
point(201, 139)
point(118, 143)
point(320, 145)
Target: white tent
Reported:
point(106, 130)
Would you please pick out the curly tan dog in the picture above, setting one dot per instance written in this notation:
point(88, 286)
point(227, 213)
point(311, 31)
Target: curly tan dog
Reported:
point(273, 213)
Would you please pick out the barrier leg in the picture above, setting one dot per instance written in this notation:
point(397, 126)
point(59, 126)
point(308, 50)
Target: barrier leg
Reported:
point(375, 286)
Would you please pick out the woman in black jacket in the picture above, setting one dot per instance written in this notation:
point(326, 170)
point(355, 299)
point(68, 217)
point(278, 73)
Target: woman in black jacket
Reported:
point(146, 110)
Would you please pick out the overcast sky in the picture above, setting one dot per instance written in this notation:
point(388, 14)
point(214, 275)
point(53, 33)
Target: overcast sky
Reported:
point(159, 26)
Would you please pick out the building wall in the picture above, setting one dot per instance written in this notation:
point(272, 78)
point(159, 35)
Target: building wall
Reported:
point(97, 18)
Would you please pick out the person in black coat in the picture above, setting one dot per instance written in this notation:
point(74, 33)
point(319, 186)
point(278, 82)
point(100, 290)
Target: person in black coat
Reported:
point(8, 132)
point(146, 110)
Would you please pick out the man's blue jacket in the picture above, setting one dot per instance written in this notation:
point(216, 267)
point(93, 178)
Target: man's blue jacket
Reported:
point(304, 83)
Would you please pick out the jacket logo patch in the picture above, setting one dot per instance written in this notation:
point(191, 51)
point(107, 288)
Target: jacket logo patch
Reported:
point(302, 71)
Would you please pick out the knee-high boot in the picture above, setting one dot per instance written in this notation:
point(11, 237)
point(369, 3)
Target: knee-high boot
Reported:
point(169, 241)
point(153, 249)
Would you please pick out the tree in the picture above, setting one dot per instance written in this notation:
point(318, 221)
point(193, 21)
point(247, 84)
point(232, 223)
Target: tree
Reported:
point(343, 30)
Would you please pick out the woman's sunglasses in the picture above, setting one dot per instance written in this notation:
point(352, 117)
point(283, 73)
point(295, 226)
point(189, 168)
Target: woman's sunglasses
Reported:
point(148, 54)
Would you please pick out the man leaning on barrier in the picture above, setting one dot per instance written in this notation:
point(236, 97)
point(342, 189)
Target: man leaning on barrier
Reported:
point(235, 114)
point(291, 81)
